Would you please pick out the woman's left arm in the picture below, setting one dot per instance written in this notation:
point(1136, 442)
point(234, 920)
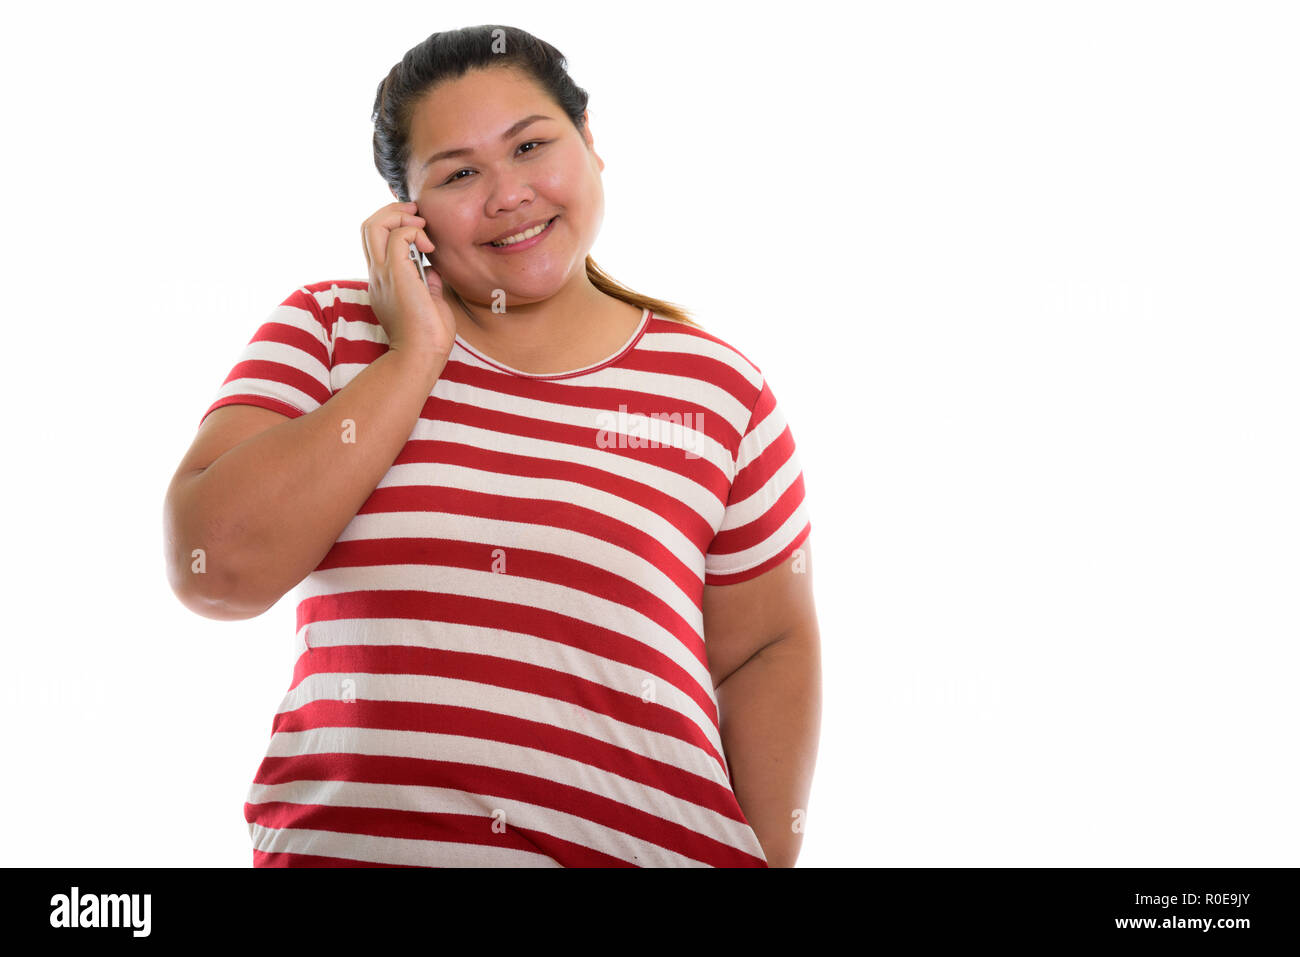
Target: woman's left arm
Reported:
point(764, 650)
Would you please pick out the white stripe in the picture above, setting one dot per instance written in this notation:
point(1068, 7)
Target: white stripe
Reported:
point(755, 506)
point(303, 319)
point(358, 330)
point(338, 293)
point(760, 437)
point(672, 484)
point(756, 555)
point(289, 355)
point(299, 318)
point(392, 850)
point(489, 400)
point(673, 388)
point(516, 589)
point(697, 345)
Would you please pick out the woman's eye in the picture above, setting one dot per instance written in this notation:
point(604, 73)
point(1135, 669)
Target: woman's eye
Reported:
point(454, 176)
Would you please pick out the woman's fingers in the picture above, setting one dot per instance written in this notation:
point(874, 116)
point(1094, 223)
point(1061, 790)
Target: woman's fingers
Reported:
point(375, 230)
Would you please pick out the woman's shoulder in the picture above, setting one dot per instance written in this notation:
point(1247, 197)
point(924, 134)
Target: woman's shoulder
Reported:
point(329, 295)
point(337, 287)
point(335, 301)
point(674, 336)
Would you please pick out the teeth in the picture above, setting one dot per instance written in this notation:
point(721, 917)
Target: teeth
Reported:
point(520, 237)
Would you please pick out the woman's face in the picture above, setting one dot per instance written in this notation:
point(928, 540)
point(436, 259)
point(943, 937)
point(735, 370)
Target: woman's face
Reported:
point(498, 187)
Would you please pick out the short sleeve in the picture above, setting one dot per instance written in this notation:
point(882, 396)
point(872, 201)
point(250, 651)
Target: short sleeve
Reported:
point(286, 365)
point(766, 518)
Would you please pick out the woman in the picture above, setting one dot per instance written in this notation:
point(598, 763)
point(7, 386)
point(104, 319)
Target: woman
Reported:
point(555, 594)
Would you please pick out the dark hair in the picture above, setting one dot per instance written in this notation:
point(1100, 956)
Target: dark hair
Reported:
point(452, 53)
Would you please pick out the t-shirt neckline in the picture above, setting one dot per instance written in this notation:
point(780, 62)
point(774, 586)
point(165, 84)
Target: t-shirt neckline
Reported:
point(618, 354)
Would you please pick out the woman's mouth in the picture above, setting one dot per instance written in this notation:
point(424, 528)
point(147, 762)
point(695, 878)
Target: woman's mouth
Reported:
point(525, 240)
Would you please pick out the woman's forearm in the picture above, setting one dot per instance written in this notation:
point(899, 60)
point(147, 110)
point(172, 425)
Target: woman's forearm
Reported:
point(770, 713)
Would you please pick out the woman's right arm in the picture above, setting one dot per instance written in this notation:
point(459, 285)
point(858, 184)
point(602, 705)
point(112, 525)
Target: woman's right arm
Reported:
point(266, 511)
point(265, 497)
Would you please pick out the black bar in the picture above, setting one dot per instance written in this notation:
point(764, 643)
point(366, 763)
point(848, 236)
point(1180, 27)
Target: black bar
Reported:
point(250, 907)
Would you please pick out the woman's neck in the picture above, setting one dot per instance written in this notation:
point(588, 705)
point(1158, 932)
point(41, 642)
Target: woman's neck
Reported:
point(578, 326)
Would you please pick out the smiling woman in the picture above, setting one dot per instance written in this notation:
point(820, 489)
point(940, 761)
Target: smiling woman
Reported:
point(485, 131)
point(517, 613)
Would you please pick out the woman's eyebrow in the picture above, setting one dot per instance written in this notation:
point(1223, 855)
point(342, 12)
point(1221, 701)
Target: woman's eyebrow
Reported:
point(464, 151)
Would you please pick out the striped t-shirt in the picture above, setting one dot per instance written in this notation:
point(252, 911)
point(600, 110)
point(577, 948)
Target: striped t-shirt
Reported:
point(501, 661)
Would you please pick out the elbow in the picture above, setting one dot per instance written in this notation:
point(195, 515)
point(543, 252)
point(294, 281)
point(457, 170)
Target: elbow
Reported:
point(200, 568)
point(210, 599)
point(216, 609)
point(207, 593)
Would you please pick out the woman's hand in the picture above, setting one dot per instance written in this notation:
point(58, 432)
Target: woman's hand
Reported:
point(414, 314)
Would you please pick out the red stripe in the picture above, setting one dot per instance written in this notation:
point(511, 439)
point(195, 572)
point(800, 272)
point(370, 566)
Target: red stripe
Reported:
point(758, 531)
point(758, 471)
point(488, 613)
point(279, 372)
point(694, 366)
point(778, 559)
point(284, 859)
point(607, 398)
point(490, 726)
point(275, 330)
point(669, 458)
point(538, 565)
point(670, 326)
point(357, 351)
point(521, 563)
point(675, 511)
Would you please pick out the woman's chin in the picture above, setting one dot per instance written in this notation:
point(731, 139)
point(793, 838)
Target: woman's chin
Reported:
point(524, 289)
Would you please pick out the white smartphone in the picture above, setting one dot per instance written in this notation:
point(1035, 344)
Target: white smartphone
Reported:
point(418, 258)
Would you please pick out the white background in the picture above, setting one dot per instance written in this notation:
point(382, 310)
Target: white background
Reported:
point(1022, 276)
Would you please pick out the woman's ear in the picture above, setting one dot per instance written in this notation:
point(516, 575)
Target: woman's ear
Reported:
point(586, 135)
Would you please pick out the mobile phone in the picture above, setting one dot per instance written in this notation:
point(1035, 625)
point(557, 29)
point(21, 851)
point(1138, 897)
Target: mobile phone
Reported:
point(418, 258)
